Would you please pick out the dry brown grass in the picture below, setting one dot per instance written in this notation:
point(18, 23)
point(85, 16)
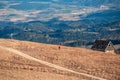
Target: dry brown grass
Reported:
point(97, 63)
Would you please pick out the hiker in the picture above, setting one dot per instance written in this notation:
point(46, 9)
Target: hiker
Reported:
point(59, 47)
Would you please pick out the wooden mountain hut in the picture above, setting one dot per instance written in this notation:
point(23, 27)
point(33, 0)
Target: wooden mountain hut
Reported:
point(103, 45)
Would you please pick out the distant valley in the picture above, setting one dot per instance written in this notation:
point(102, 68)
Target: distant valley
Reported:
point(59, 22)
point(60, 32)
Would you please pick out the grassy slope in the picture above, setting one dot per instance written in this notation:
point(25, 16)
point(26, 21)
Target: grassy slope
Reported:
point(78, 59)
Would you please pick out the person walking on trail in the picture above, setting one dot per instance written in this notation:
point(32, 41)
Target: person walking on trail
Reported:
point(59, 47)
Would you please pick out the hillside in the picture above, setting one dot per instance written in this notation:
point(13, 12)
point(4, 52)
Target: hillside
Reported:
point(15, 67)
point(55, 32)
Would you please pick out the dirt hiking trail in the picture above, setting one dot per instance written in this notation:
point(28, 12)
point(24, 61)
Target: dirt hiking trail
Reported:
point(47, 63)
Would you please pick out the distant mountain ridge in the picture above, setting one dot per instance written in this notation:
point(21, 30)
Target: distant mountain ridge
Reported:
point(55, 33)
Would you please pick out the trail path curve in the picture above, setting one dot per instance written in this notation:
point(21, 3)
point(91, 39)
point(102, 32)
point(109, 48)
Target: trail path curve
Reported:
point(48, 64)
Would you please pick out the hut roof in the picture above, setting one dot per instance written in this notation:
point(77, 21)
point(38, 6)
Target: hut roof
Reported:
point(100, 44)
